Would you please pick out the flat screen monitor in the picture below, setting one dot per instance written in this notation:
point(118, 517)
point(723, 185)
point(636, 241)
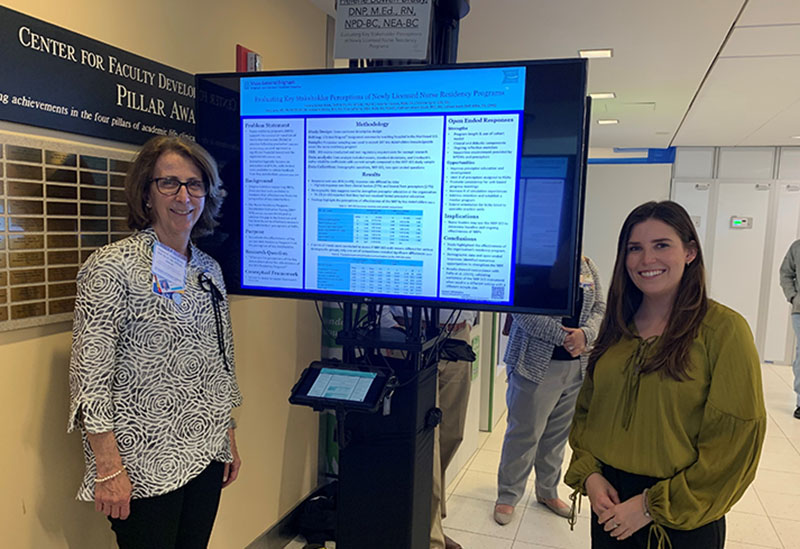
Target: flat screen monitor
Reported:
point(457, 186)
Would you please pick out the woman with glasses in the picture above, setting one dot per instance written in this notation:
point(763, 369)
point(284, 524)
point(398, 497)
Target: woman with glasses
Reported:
point(670, 419)
point(152, 380)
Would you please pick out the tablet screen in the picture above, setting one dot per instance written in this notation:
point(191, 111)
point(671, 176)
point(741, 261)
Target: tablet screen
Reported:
point(342, 384)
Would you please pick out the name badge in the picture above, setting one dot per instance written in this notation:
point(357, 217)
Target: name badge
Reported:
point(169, 272)
point(586, 282)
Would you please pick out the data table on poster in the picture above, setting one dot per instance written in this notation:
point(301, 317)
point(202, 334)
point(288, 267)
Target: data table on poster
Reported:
point(383, 278)
point(365, 226)
point(369, 275)
point(387, 227)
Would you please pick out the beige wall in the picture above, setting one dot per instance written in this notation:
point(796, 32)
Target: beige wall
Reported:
point(40, 465)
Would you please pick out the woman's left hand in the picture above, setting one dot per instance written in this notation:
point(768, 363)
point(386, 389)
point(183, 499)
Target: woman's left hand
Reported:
point(625, 519)
point(575, 342)
point(231, 470)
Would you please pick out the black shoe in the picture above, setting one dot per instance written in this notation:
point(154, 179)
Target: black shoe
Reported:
point(797, 412)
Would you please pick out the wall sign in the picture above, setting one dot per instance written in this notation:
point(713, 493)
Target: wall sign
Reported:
point(54, 78)
point(382, 29)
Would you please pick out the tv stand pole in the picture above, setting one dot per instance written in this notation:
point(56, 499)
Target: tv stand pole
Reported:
point(386, 459)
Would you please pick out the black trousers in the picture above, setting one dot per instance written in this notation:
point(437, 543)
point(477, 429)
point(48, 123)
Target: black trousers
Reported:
point(709, 536)
point(181, 519)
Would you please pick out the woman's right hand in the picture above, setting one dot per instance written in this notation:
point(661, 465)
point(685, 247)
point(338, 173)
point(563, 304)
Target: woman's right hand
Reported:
point(601, 494)
point(113, 497)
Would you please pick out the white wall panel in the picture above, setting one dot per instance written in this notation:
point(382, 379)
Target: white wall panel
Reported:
point(746, 162)
point(695, 197)
point(738, 255)
point(789, 163)
point(694, 162)
point(778, 336)
point(612, 191)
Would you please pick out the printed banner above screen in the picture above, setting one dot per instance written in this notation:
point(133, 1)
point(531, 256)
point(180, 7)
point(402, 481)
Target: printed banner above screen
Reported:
point(54, 78)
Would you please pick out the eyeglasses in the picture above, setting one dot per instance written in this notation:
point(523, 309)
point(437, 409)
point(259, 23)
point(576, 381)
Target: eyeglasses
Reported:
point(170, 186)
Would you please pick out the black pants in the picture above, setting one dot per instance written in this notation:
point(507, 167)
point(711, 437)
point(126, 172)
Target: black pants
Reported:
point(181, 519)
point(709, 536)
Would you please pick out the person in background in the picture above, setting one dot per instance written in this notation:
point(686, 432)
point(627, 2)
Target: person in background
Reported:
point(152, 380)
point(790, 286)
point(546, 358)
point(670, 420)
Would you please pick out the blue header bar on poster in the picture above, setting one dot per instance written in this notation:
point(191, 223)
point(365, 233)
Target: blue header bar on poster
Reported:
point(465, 90)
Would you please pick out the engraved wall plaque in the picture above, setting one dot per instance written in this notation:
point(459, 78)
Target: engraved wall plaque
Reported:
point(119, 225)
point(94, 178)
point(26, 259)
point(119, 210)
point(62, 225)
point(89, 193)
point(27, 293)
point(27, 310)
point(25, 154)
point(23, 171)
point(62, 258)
point(25, 242)
point(60, 158)
point(62, 241)
point(25, 207)
point(94, 210)
point(62, 290)
point(17, 188)
point(61, 306)
point(61, 175)
point(93, 240)
point(27, 276)
point(94, 225)
point(61, 191)
point(26, 224)
point(121, 166)
point(60, 274)
point(62, 208)
point(93, 162)
point(58, 207)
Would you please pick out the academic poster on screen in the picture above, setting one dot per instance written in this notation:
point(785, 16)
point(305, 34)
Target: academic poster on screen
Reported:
point(399, 183)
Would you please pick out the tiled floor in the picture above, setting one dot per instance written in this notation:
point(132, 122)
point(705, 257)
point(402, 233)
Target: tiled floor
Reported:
point(767, 516)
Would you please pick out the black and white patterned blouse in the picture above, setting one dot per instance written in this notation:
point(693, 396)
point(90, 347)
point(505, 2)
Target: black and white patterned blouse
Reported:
point(149, 369)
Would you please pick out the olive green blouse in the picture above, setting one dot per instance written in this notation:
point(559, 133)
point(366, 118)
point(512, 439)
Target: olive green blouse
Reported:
point(703, 436)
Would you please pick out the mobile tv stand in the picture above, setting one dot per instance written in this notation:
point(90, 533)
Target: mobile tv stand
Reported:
point(386, 458)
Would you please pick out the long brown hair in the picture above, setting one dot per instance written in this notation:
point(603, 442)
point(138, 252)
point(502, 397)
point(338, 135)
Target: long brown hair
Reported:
point(624, 298)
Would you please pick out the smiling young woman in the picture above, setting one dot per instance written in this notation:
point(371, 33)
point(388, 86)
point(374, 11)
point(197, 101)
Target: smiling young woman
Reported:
point(669, 422)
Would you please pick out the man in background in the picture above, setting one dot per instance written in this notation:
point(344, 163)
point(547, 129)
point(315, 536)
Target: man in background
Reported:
point(790, 285)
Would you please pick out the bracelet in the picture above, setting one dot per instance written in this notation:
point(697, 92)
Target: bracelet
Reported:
point(109, 477)
point(646, 508)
